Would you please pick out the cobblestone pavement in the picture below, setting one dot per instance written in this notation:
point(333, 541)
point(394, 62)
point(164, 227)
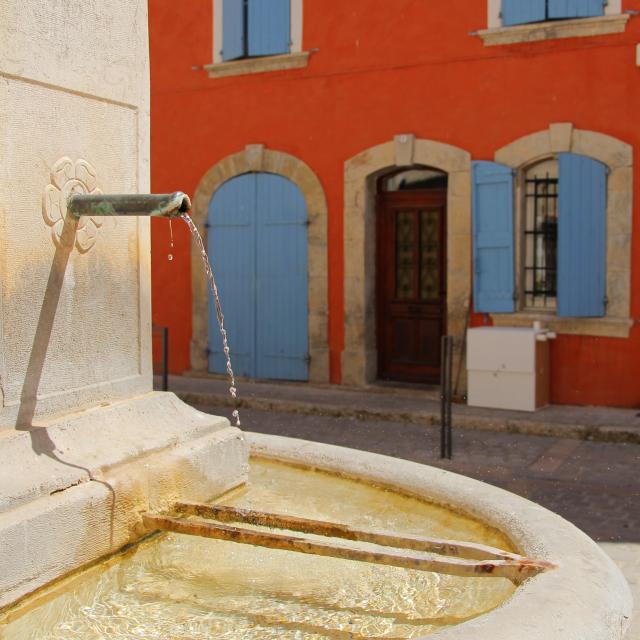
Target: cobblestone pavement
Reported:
point(595, 485)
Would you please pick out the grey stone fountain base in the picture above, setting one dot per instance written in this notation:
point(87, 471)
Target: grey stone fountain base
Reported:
point(72, 491)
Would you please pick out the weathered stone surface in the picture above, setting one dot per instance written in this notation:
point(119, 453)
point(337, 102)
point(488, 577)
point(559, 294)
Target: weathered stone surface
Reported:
point(560, 136)
point(86, 444)
point(60, 526)
point(610, 151)
point(258, 65)
point(405, 143)
point(552, 30)
point(75, 315)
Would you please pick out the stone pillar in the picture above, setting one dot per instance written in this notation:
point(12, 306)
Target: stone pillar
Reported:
point(77, 409)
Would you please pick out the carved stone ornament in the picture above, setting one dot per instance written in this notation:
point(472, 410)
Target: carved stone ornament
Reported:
point(68, 178)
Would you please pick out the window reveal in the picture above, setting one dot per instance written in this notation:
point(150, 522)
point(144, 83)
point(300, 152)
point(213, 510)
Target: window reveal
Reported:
point(541, 236)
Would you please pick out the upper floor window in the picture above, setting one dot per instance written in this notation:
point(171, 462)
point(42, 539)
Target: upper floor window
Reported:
point(253, 28)
point(524, 11)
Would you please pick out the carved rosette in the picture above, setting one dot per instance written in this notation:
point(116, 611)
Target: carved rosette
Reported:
point(68, 178)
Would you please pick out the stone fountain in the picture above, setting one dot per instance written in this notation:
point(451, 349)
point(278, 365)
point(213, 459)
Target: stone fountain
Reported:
point(85, 442)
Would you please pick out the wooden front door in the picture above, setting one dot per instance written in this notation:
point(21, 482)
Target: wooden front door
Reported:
point(411, 284)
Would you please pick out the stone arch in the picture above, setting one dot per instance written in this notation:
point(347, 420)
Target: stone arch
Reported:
point(359, 358)
point(256, 158)
point(618, 157)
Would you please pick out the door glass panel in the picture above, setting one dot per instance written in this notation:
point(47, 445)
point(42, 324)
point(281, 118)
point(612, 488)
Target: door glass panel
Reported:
point(405, 255)
point(429, 258)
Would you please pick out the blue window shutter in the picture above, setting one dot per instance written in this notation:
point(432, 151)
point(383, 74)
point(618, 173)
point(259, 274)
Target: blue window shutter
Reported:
point(522, 11)
point(269, 27)
point(582, 236)
point(232, 29)
point(493, 245)
point(231, 237)
point(282, 341)
point(575, 8)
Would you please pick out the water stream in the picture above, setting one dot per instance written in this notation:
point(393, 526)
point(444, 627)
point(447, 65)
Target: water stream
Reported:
point(197, 238)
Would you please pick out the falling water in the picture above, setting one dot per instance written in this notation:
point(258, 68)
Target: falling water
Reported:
point(220, 316)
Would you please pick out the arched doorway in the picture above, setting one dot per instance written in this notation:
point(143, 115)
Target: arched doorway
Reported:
point(257, 240)
point(411, 282)
point(361, 173)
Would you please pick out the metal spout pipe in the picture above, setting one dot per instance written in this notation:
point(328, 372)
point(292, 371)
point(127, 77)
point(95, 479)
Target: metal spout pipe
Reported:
point(166, 205)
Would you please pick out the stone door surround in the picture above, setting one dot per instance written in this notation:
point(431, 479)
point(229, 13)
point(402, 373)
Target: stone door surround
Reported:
point(360, 357)
point(256, 158)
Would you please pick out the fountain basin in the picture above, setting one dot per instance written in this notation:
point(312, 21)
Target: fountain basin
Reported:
point(585, 597)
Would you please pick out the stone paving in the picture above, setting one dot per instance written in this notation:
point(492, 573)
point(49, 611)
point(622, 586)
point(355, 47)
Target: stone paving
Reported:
point(595, 485)
point(415, 405)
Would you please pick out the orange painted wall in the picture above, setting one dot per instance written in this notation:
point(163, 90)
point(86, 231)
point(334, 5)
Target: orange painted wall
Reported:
point(383, 68)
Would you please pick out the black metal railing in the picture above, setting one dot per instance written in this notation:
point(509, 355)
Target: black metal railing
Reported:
point(446, 397)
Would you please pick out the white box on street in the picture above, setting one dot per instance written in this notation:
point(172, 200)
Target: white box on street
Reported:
point(508, 367)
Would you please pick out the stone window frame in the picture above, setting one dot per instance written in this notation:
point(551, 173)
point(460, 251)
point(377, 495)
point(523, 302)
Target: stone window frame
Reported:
point(359, 363)
point(613, 21)
point(256, 158)
point(618, 157)
point(296, 57)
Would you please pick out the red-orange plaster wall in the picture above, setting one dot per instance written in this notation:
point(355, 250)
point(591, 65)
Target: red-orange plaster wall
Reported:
point(381, 69)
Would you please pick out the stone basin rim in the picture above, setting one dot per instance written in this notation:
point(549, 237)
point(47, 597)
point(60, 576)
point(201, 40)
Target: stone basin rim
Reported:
point(585, 598)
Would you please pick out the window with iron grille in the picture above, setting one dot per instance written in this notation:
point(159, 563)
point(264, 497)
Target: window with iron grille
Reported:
point(540, 227)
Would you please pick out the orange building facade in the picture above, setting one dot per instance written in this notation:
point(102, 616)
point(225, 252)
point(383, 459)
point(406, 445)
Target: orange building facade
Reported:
point(380, 115)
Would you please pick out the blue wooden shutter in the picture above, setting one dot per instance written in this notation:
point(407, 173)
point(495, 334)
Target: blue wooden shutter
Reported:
point(522, 11)
point(282, 292)
point(231, 245)
point(269, 27)
point(575, 8)
point(582, 236)
point(493, 247)
point(232, 29)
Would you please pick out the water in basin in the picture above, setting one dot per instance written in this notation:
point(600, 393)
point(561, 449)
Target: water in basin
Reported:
point(177, 586)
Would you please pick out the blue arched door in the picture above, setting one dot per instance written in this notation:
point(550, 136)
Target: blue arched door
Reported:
point(257, 242)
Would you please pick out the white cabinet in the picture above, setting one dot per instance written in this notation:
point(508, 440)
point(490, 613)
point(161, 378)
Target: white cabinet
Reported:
point(508, 368)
